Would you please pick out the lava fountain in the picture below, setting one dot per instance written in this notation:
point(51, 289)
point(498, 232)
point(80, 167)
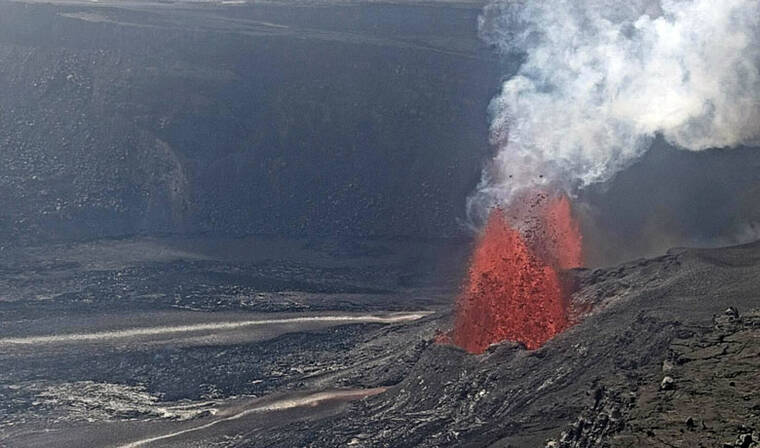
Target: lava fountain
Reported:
point(513, 291)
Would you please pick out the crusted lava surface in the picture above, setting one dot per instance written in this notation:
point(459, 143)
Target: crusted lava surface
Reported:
point(665, 355)
point(600, 383)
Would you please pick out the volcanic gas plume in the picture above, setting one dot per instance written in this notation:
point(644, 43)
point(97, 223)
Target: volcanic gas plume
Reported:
point(514, 291)
point(599, 79)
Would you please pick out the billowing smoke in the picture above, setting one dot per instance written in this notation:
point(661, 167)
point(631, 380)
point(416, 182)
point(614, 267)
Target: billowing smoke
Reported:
point(601, 78)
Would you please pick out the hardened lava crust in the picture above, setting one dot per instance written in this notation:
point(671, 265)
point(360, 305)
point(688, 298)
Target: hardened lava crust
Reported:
point(668, 354)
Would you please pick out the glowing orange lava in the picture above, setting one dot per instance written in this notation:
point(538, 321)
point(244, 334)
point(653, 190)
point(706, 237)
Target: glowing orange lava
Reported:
point(513, 290)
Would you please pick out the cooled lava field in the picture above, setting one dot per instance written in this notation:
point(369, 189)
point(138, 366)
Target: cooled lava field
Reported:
point(105, 342)
point(667, 350)
point(667, 355)
point(298, 223)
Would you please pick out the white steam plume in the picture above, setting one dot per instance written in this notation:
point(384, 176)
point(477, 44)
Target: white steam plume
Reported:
point(601, 78)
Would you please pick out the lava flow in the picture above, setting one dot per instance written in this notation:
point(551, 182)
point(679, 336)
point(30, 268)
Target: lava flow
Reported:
point(513, 290)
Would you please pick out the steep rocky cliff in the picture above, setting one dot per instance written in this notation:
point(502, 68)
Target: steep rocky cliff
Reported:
point(344, 119)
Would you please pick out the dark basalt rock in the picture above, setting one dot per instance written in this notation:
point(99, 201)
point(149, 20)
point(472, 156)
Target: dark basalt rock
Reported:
point(596, 385)
point(197, 118)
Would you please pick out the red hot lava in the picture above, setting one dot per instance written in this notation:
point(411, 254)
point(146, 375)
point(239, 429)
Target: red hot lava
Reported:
point(514, 291)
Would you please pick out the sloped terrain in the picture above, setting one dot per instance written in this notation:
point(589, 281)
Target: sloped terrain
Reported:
point(599, 383)
point(710, 396)
point(133, 117)
point(665, 353)
point(186, 361)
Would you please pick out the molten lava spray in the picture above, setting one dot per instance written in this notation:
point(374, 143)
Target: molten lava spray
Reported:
point(514, 291)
